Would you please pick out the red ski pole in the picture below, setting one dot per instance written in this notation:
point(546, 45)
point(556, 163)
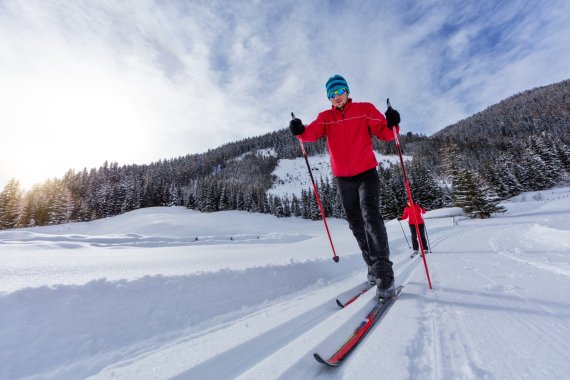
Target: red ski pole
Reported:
point(335, 257)
point(409, 191)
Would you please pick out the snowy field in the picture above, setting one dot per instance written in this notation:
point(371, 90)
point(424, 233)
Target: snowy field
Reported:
point(171, 293)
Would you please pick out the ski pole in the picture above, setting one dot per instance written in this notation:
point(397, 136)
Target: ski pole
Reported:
point(405, 237)
point(335, 257)
point(410, 198)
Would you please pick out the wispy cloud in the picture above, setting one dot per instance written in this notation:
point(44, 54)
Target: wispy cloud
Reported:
point(135, 81)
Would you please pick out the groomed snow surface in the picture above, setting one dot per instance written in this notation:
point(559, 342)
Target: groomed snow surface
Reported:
point(171, 293)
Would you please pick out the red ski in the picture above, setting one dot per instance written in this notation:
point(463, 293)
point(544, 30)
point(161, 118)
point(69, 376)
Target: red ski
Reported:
point(357, 336)
point(352, 295)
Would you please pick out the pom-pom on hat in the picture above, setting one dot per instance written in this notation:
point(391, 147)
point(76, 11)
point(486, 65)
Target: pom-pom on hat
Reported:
point(336, 82)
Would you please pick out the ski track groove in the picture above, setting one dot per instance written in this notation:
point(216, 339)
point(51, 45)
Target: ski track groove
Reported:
point(442, 347)
point(235, 358)
point(441, 236)
point(527, 322)
point(524, 321)
point(402, 267)
point(437, 350)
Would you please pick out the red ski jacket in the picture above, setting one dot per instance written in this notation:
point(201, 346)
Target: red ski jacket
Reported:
point(349, 136)
point(408, 214)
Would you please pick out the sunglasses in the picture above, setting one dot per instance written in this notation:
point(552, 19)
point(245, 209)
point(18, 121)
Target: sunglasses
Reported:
point(334, 94)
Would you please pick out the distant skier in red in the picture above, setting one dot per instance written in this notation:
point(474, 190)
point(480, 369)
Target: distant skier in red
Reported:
point(413, 219)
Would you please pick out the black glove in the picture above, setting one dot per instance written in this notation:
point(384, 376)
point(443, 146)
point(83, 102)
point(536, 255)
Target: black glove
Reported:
point(399, 218)
point(392, 117)
point(296, 126)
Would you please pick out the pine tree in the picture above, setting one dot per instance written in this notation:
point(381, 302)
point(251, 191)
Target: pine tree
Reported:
point(545, 151)
point(501, 175)
point(534, 171)
point(286, 206)
point(277, 207)
point(60, 203)
point(452, 162)
point(425, 190)
point(474, 196)
point(224, 202)
point(338, 209)
point(191, 201)
point(393, 194)
point(10, 201)
point(296, 208)
point(390, 207)
point(563, 153)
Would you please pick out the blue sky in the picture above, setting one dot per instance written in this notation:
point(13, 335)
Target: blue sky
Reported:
point(136, 81)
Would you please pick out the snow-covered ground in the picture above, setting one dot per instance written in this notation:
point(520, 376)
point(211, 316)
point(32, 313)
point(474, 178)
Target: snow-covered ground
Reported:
point(171, 293)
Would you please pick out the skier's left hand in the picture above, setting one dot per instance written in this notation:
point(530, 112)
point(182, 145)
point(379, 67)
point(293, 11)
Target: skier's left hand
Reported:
point(392, 117)
point(296, 126)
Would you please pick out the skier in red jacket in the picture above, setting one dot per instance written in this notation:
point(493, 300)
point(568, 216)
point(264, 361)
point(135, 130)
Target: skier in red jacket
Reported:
point(413, 219)
point(349, 127)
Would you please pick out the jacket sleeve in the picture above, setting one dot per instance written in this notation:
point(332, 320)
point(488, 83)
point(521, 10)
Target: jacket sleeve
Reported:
point(378, 125)
point(314, 130)
point(405, 214)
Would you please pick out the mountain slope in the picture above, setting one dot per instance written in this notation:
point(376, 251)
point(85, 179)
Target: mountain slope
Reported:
point(542, 109)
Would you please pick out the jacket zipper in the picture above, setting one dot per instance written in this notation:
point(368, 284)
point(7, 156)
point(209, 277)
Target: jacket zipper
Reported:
point(347, 145)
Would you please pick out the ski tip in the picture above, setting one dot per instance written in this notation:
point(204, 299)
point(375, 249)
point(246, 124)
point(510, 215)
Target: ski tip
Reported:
point(339, 304)
point(325, 362)
point(399, 290)
point(319, 359)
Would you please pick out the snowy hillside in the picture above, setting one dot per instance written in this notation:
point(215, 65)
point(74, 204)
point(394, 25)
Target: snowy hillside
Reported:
point(171, 293)
point(293, 176)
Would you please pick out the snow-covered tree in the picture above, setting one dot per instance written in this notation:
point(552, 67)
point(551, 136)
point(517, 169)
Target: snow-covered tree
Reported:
point(474, 196)
point(10, 204)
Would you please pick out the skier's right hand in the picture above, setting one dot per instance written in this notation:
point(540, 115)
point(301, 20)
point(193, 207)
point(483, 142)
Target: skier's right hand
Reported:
point(296, 126)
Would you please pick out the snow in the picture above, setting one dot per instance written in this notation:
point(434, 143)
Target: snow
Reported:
point(293, 178)
point(172, 293)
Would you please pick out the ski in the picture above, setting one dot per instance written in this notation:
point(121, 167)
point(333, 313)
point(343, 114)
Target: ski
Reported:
point(353, 294)
point(357, 336)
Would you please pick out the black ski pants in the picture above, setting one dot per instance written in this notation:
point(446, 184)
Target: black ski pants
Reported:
point(415, 243)
point(360, 197)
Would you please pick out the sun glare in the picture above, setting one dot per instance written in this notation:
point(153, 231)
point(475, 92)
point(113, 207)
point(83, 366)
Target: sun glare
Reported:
point(66, 118)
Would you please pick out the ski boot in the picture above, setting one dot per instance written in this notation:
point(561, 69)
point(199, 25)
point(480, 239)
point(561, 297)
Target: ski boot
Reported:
point(371, 277)
point(384, 293)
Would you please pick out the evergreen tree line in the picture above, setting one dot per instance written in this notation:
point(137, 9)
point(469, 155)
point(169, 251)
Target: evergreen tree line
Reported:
point(538, 163)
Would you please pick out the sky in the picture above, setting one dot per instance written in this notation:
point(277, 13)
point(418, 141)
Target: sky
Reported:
point(133, 82)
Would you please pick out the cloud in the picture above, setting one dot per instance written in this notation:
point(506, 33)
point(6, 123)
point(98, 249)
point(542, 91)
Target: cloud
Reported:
point(136, 81)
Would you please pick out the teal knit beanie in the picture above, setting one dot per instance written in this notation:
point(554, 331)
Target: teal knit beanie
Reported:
point(336, 82)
